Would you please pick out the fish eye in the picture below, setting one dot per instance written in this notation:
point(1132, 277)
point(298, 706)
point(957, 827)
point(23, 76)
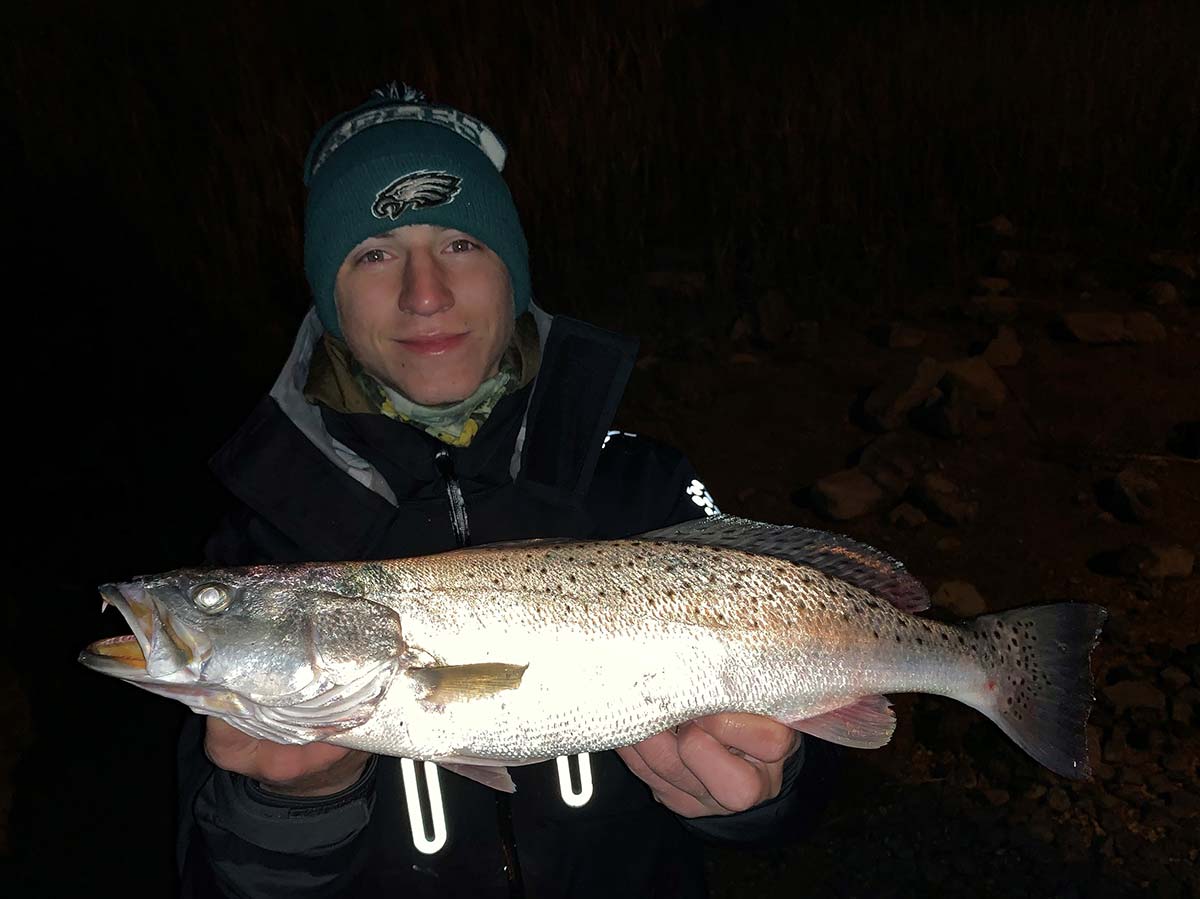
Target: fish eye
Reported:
point(212, 598)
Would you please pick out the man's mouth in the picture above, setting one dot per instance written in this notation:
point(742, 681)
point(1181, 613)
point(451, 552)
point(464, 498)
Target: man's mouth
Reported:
point(433, 344)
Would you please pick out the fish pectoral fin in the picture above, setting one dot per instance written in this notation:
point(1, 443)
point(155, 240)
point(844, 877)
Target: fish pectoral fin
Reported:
point(494, 776)
point(867, 723)
point(454, 683)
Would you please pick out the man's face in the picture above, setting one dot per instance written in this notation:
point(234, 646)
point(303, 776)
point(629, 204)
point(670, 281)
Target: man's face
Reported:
point(426, 310)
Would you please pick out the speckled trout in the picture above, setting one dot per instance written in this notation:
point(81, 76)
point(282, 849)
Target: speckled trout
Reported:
point(516, 653)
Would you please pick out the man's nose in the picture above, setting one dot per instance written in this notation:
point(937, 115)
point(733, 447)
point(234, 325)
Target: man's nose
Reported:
point(424, 290)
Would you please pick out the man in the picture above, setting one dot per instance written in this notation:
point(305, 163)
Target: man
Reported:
point(428, 405)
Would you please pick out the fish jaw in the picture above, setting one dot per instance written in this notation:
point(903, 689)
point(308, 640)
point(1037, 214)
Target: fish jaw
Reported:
point(161, 648)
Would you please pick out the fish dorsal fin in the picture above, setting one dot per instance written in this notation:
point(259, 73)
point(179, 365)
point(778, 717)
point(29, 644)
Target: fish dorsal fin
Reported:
point(454, 683)
point(848, 560)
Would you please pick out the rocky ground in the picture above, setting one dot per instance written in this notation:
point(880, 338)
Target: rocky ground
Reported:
point(1035, 440)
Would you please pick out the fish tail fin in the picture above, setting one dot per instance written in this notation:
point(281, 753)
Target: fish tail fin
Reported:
point(1037, 679)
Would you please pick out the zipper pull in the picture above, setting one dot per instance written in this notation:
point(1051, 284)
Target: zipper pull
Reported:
point(444, 462)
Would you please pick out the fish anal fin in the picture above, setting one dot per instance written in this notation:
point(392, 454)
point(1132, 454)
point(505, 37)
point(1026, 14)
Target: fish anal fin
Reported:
point(496, 777)
point(867, 723)
point(455, 683)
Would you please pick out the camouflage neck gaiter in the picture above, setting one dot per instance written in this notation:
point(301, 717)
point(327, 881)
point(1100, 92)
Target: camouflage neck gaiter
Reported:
point(337, 380)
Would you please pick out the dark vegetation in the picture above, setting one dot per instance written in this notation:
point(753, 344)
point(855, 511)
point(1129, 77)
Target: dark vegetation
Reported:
point(675, 164)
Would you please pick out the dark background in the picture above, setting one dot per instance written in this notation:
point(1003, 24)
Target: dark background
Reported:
point(842, 157)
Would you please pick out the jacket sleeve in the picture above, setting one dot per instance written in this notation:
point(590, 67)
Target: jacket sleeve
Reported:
point(235, 839)
point(807, 775)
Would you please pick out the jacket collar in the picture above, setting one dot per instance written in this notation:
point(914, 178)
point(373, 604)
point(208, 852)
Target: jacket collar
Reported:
point(284, 464)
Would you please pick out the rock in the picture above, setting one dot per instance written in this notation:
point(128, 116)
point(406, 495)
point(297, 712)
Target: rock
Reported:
point(996, 797)
point(846, 494)
point(1145, 328)
point(1116, 750)
point(946, 413)
point(1181, 711)
point(1185, 264)
point(992, 308)
point(1175, 678)
point(901, 336)
point(907, 516)
point(1173, 561)
point(978, 381)
point(1132, 496)
point(1184, 804)
point(1129, 694)
point(1180, 762)
point(1184, 439)
point(993, 285)
point(961, 598)
point(1162, 293)
point(887, 405)
point(1004, 350)
point(1156, 816)
point(999, 226)
point(1058, 800)
point(939, 498)
point(1096, 327)
point(1154, 562)
point(887, 462)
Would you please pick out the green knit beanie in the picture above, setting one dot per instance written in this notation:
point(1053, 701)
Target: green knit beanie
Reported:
point(397, 160)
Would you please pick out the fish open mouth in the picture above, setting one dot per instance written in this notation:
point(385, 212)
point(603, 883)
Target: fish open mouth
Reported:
point(155, 650)
point(126, 650)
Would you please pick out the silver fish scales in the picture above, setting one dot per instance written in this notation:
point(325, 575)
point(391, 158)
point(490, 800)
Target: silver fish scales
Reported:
point(516, 653)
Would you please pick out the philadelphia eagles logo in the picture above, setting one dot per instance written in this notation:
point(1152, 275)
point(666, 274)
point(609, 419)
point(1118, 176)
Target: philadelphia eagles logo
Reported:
point(416, 190)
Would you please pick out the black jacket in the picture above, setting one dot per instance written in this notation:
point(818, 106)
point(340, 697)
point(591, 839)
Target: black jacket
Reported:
point(312, 485)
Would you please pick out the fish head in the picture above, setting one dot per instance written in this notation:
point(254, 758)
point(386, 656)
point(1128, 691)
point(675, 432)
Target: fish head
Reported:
point(270, 642)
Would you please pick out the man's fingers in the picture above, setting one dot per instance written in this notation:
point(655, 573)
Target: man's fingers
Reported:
point(668, 794)
point(756, 736)
point(736, 783)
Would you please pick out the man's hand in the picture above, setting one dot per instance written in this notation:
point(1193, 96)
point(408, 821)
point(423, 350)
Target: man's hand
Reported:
point(314, 769)
point(717, 765)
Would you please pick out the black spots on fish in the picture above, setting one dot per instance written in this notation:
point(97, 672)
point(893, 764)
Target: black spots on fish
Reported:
point(920, 642)
point(545, 570)
point(899, 639)
point(845, 616)
point(875, 634)
point(573, 579)
point(592, 563)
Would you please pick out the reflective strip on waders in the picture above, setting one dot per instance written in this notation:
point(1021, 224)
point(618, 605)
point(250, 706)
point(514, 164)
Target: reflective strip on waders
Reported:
point(569, 796)
point(423, 840)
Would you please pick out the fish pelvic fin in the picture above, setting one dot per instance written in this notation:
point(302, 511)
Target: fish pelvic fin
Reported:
point(1037, 680)
point(839, 557)
point(867, 723)
point(494, 776)
point(455, 683)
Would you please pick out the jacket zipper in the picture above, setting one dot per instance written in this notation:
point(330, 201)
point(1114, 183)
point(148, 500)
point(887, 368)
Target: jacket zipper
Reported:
point(458, 507)
point(462, 534)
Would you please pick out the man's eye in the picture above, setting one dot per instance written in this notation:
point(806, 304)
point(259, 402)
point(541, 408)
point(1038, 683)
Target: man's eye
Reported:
point(372, 256)
point(462, 245)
